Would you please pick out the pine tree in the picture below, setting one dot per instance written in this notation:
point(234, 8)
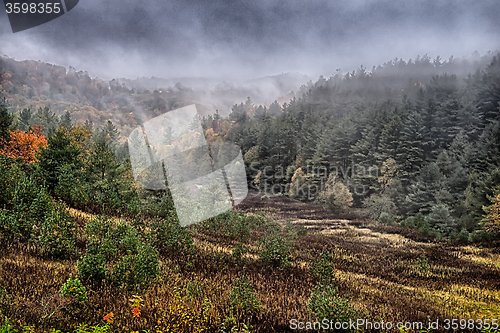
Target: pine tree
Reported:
point(274, 109)
point(5, 121)
point(390, 139)
point(410, 154)
point(489, 92)
point(284, 149)
point(25, 119)
point(66, 120)
point(109, 134)
point(334, 147)
point(47, 119)
point(111, 182)
point(441, 220)
point(428, 184)
point(309, 135)
point(60, 152)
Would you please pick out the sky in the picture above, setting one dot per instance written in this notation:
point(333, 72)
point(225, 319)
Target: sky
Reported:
point(242, 39)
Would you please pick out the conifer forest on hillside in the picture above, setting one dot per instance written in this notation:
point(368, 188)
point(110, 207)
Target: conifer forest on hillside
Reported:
point(374, 196)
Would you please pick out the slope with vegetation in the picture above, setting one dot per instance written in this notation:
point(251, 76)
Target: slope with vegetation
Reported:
point(410, 142)
point(84, 249)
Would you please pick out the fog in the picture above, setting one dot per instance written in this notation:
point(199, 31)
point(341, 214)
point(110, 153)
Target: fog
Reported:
point(239, 40)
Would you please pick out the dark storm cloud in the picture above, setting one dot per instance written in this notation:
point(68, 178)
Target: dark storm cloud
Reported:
point(252, 38)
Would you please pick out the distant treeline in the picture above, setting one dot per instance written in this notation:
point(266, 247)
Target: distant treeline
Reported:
point(430, 130)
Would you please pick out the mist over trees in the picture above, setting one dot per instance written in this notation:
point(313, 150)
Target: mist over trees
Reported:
point(415, 142)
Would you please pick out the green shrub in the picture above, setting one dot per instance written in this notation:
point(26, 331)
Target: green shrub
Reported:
point(422, 266)
point(302, 230)
point(58, 233)
point(463, 236)
point(326, 304)
point(74, 288)
point(31, 204)
point(10, 176)
point(84, 328)
point(112, 240)
point(41, 207)
point(170, 236)
point(72, 185)
point(275, 251)
point(479, 236)
point(423, 226)
point(323, 268)
point(385, 218)
point(99, 227)
point(243, 299)
point(238, 252)
point(289, 228)
point(409, 222)
point(29, 208)
point(92, 267)
point(126, 248)
point(420, 221)
point(441, 220)
point(137, 271)
point(233, 225)
point(240, 229)
point(158, 203)
point(255, 221)
point(8, 222)
point(6, 327)
point(377, 204)
point(25, 193)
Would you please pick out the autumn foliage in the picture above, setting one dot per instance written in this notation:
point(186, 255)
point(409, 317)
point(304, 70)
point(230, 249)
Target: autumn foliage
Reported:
point(492, 218)
point(24, 144)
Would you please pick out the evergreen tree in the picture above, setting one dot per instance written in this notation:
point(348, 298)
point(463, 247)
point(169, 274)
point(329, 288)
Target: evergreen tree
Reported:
point(111, 182)
point(390, 139)
point(410, 154)
point(424, 191)
point(5, 122)
point(109, 134)
point(489, 92)
point(60, 152)
point(66, 120)
point(47, 119)
point(441, 220)
point(25, 119)
point(274, 109)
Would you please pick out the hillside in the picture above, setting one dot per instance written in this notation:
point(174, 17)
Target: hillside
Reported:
point(35, 85)
point(374, 195)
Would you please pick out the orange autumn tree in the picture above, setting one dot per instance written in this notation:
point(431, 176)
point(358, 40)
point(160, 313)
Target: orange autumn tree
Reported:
point(24, 144)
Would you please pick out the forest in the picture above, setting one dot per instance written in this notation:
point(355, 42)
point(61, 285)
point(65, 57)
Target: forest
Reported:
point(414, 148)
point(373, 194)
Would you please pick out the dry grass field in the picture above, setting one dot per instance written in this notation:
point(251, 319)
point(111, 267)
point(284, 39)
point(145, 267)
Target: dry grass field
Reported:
point(387, 272)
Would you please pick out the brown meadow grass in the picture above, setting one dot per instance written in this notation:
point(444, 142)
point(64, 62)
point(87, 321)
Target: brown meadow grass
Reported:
point(375, 265)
